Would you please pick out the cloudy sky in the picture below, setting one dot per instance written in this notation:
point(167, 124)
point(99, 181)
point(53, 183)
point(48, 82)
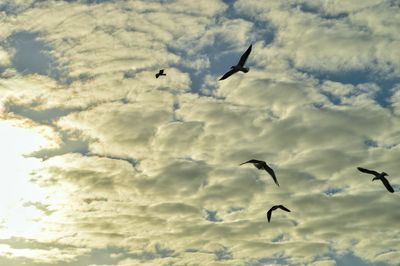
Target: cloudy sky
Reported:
point(104, 165)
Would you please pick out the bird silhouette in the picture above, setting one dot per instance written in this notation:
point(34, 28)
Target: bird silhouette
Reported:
point(261, 165)
point(378, 176)
point(160, 73)
point(274, 208)
point(239, 66)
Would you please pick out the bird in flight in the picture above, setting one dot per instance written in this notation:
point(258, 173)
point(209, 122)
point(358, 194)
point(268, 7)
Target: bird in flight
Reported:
point(263, 166)
point(380, 176)
point(239, 66)
point(160, 73)
point(274, 208)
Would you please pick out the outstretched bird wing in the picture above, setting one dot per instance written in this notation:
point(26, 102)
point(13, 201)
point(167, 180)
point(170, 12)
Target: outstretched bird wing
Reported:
point(269, 214)
point(228, 74)
point(372, 172)
point(283, 208)
point(387, 184)
point(252, 161)
point(244, 56)
point(271, 172)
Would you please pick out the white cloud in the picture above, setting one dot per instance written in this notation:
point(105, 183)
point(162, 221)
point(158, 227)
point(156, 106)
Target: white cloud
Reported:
point(357, 42)
point(161, 180)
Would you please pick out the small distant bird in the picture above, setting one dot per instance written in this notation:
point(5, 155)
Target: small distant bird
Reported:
point(263, 166)
point(160, 73)
point(380, 176)
point(274, 208)
point(239, 66)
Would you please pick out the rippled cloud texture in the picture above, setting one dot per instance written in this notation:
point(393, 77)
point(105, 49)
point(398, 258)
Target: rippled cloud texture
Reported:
point(107, 166)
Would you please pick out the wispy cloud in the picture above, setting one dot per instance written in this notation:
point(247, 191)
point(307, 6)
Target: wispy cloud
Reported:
point(143, 171)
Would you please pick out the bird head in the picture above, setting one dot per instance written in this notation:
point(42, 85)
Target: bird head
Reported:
point(384, 174)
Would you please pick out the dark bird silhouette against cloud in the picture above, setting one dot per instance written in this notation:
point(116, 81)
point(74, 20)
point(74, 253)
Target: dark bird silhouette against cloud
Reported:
point(160, 73)
point(269, 213)
point(378, 176)
point(263, 166)
point(239, 66)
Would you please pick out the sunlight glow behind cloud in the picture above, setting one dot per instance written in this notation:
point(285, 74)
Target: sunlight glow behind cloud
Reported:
point(15, 186)
point(103, 164)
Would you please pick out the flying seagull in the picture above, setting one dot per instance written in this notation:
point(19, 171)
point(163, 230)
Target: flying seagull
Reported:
point(263, 165)
point(239, 66)
point(380, 176)
point(160, 73)
point(274, 208)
